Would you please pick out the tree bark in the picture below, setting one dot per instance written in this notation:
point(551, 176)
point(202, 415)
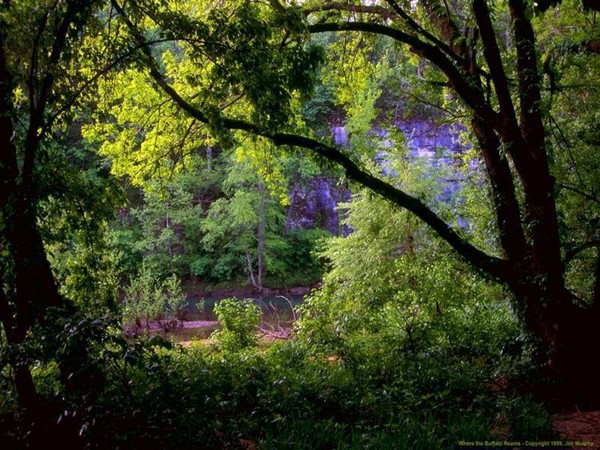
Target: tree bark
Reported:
point(251, 270)
point(28, 396)
point(567, 337)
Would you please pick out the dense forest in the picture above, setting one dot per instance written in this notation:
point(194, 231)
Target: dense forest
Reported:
point(415, 182)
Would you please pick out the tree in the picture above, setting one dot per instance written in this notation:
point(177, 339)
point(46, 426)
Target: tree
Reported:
point(42, 81)
point(496, 80)
point(30, 74)
point(243, 229)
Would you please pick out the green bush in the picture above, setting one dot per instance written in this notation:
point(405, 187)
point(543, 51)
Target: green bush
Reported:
point(238, 319)
point(148, 394)
point(148, 298)
point(200, 267)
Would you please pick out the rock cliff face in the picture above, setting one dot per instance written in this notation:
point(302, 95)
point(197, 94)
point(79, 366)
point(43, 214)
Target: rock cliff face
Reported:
point(315, 204)
point(425, 138)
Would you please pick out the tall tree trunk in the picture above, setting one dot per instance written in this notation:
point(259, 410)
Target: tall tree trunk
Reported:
point(169, 246)
point(567, 335)
point(261, 233)
point(251, 270)
point(28, 396)
point(34, 289)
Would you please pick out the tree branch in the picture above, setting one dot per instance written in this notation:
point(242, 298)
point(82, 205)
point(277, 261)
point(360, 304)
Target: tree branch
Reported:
point(508, 216)
point(380, 11)
point(456, 53)
point(440, 15)
point(532, 127)
point(576, 190)
point(471, 96)
point(494, 61)
point(34, 56)
point(571, 254)
point(90, 81)
point(38, 108)
point(475, 256)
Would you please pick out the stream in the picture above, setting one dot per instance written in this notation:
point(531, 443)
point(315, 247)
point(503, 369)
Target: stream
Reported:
point(200, 320)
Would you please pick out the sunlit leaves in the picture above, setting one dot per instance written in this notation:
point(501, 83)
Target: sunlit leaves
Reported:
point(141, 131)
point(405, 288)
point(240, 59)
point(248, 50)
point(357, 79)
point(268, 163)
point(230, 228)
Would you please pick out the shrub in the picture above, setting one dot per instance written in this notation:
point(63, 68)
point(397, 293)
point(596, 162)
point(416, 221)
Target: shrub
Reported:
point(239, 319)
point(147, 298)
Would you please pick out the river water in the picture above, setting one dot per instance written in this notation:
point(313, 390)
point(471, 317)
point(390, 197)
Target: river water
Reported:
point(200, 320)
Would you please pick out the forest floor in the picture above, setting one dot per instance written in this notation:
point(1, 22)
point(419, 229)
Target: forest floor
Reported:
point(582, 428)
point(577, 430)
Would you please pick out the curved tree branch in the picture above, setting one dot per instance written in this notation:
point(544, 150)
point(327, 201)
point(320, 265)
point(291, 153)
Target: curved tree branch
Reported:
point(485, 121)
point(572, 254)
point(470, 95)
